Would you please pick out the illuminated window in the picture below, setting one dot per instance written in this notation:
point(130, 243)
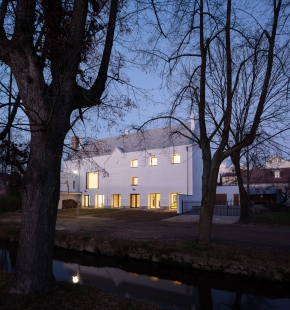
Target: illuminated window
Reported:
point(173, 200)
point(116, 200)
point(153, 161)
point(277, 174)
point(176, 159)
point(87, 200)
point(134, 200)
point(134, 163)
point(154, 200)
point(134, 181)
point(92, 180)
point(100, 201)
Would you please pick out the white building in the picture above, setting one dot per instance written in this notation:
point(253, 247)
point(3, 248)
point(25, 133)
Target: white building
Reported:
point(146, 170)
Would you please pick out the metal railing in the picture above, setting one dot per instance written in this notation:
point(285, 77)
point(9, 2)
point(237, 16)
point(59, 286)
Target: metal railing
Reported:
point(228, 208)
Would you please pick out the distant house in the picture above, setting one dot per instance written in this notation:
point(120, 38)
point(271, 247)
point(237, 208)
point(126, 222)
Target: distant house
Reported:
point(269, 184)
point(134, 170)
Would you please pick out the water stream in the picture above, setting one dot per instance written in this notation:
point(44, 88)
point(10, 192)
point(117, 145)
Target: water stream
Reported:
point(167, 286)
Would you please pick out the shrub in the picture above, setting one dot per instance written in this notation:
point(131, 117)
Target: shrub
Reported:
point(10, 203)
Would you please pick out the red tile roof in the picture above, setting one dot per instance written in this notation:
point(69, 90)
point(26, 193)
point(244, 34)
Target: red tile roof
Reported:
point(267, 175)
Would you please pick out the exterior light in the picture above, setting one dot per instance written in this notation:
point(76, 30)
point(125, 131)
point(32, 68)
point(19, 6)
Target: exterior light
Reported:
point(75, 279)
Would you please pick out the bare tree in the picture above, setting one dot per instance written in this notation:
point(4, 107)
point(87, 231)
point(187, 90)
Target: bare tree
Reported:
point(254, 157)
point(60, 56)
point(212, 49)
point(283, 191)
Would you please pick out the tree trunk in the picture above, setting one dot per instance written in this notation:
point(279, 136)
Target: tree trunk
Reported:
point(243, 193)
point(209, 183)
point(205, 297)
point(206, 214)
point(40, 197)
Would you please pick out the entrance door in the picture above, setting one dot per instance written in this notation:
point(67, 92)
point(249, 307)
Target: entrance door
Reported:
point(134, 200)
point(116, 200)
point(154, 201)
point(100, 201)
point(173, 200)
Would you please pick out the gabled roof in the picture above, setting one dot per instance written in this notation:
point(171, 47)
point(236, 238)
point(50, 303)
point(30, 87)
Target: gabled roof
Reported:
point(267, 176)
point(277, 161)
point(132, 142)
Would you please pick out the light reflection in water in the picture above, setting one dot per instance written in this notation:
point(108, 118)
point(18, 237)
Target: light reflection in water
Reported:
point(171, 293)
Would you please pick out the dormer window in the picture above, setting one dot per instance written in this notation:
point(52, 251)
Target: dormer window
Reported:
point(277, 174)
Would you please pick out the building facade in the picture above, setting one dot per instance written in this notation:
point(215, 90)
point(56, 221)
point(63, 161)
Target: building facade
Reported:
point(135, 170)
point(269, 184)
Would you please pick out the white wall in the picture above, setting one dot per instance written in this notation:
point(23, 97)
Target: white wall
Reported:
point(165, 178)
point(181, 199)
point(230, 190)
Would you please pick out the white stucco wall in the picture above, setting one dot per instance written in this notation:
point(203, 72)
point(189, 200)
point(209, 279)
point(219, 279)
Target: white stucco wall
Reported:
point(230, 190)
point(163, 179)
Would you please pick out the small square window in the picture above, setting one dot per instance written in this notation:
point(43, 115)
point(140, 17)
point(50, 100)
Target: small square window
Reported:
point(134, 163)
point(134, 181)
point(153, 161)
point(277, 174)
point(176, 159)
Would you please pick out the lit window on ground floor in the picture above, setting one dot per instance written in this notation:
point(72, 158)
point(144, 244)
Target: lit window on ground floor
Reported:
point(154, 200)
point(173, 200)
point(100, 201)
point(134, 200)
point(116, 200)
point(86, 200)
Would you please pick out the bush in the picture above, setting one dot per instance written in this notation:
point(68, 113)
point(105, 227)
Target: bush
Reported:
point(10, 203)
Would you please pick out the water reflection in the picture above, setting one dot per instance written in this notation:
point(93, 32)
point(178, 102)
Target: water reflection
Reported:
point(117, 281)
point(166, 286)
point(5, 261)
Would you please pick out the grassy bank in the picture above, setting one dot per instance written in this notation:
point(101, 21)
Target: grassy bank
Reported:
point(66, 296)
point(275, 218)
point(240, 258)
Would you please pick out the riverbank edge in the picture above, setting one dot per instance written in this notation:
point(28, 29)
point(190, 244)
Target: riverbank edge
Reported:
point(187, 255)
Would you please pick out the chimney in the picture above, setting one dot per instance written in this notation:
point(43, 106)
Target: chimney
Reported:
point(192, 122)
point(75, 144)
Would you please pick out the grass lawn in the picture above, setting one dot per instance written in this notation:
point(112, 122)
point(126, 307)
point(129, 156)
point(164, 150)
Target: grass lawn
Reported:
point(66, 296)
point(122, 214)
point(278, 218)
point(86, 211)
